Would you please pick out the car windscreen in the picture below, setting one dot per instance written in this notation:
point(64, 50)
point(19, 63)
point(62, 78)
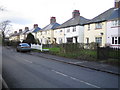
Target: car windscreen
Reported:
point(25, 45)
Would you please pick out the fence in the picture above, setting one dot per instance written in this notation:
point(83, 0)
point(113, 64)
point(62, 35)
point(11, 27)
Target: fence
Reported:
point(108, 53)
point(36, 46)
point(84, 50)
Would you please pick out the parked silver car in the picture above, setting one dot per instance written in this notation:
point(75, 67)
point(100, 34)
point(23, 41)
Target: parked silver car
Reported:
point(23, 47)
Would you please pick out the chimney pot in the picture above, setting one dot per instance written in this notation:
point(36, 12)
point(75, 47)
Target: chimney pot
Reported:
point(26, 28)
point(35, 25)
point(15, 31)
point(20, 30)
point(117, 3)
point(75, 13)
point(53, 20)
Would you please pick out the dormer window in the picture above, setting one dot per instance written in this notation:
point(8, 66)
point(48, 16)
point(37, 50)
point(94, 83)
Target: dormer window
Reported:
point(98, 25)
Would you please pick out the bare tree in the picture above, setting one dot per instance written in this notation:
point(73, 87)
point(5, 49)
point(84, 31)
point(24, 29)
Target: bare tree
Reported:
point(5, 28)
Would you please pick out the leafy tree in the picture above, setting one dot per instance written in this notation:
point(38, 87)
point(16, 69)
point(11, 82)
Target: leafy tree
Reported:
point(30, 39)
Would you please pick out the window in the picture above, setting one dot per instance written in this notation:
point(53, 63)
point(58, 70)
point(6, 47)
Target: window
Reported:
point(118, 22)
point(112, 40)
point(115, 40)
point(98, 40)
point(98, 25)
point(48, 32)
point(45, 32)
point(60, 30)
point(68, 30)
point(69, 40)
point(41, 33)
point(118, 40)
point(74, 29)
point(88, 26)
point(60, 40)
point(115, 23)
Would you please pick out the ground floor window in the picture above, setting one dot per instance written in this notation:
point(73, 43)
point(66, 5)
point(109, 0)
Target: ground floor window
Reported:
point(69, 40)
point(87, 40)
point(115, 40)
point(60, 40)
point(98, 40)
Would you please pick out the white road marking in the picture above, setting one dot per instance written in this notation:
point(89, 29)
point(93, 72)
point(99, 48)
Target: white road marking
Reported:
point(73, 78)
point(59, 73)
point(28, 61)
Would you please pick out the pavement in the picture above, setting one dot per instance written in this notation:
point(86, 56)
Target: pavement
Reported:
point(82, 63)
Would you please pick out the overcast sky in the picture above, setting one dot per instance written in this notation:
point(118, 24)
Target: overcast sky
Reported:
point(28, 12)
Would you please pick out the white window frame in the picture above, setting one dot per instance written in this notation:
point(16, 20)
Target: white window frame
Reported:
point(98, 40)
point(74, 29)
point(115, 23)
point(88, 26)
point(68, 30)
point(98, 25)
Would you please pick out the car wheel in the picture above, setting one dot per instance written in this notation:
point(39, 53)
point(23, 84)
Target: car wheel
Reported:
point(17, 50)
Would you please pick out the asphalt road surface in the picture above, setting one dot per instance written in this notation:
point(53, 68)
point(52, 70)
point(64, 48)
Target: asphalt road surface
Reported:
point(22, 70)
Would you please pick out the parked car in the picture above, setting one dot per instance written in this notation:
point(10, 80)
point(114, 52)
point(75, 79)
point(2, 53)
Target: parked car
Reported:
point(23, 47)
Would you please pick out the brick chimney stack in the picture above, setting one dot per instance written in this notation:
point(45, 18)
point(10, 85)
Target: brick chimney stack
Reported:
point(53, 20)
point(35, 25)
point(75, 13)
point(15, 32)
point(117, 3)
point(20, 30)
point(26, 28)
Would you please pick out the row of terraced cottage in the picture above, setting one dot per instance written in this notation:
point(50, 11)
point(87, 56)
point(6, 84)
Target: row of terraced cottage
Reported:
point(103, 29)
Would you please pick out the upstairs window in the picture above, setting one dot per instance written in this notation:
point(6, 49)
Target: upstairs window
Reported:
point(118, 22)
point(115, 23)
point(41, 33)
point(55, 31)
point(60, 30)
point(45, 32)
point(74, 29)
point(68, 30)
point(88, 26)
point(98, 25)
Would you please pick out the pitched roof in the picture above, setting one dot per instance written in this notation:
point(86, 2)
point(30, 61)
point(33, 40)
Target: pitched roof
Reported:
point(36, 29)
point(115, 14)
point(25, 31)
point(102, 17)
point(79, 20)
point(16, 34)
point(51, 26)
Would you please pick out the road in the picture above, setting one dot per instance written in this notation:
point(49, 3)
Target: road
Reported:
point(23, 70)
